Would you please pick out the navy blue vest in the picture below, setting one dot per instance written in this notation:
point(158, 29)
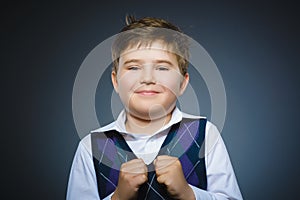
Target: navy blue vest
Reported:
point(185, 140)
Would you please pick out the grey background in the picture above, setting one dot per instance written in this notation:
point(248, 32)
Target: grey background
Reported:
point(254, 44)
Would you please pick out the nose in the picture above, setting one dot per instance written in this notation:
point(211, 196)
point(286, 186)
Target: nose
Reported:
point(147, 76)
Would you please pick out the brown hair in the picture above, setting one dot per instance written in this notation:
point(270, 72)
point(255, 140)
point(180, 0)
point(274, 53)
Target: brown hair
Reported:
point(146, 30)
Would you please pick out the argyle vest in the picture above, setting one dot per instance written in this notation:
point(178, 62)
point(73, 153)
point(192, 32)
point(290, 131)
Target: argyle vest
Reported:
point(185, 140)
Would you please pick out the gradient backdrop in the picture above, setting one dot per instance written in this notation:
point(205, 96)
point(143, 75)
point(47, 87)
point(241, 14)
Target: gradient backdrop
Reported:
point(254, 44)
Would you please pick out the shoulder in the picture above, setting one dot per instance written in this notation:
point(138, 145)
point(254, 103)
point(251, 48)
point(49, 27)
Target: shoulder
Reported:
point(85, 144)
point(212, 134)
point(190, 116)
point(210, 127)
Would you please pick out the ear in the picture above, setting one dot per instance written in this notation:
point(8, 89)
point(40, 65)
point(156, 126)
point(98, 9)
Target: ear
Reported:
point(114, 80)
point(184, 83)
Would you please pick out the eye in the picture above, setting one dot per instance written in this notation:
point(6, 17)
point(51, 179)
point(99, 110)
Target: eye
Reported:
point(162, 68)
point(133, 67)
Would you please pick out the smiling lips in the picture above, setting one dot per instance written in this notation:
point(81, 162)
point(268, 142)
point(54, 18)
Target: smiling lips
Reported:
point(147, 92)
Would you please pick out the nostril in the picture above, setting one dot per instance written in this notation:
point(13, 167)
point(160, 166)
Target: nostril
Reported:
point(148, 80)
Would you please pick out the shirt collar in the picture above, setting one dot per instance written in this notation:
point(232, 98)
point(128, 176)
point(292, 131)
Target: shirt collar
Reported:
point(119, 124)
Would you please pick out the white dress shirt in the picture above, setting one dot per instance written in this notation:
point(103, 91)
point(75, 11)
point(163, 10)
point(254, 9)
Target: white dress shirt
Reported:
point(221, 180)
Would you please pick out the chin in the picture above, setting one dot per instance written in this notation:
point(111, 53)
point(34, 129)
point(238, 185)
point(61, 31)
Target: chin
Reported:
point(151, 112)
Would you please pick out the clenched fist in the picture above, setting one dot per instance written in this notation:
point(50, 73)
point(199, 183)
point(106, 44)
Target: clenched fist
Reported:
point(169, 172)
point(132, 175)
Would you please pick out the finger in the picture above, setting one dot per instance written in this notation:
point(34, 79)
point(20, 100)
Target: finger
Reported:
point(164, 158)
point(141, 179)
point(134, 166)
point(174, 168)
point(138, 161)
point(140, 170)
point(162, 162)
point(162, 179)
point(135, 169)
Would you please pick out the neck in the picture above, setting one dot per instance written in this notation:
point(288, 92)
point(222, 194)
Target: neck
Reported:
point(143, 126)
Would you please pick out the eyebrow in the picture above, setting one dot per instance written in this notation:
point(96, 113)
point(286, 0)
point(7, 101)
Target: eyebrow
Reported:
point(156, 61)
point(164, 61)
point(132, 61)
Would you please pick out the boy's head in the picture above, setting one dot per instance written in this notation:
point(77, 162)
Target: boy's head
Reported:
point(143, 32)
point(150, 67)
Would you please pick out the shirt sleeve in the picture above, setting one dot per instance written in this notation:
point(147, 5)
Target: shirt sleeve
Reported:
point(221, 180)
point(82, 180)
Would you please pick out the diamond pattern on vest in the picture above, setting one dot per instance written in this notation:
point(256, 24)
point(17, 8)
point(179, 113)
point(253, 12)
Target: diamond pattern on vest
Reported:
point(111, 148)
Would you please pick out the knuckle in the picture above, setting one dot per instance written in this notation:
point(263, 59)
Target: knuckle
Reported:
point(177, 162)
point(144, 178)
point(167, 183)
point(158, 179)
point(124, 176)
point(123, 165)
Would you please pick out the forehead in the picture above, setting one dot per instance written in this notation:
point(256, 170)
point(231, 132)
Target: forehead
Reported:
point(148, 52)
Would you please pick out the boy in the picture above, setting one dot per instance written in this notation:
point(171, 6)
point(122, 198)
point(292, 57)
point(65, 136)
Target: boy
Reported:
point(153, 150)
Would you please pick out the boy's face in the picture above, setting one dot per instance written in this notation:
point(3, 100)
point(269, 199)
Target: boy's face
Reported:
point(149, 81)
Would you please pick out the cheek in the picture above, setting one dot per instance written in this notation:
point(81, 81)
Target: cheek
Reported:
point(127, 82)
point(171, 82)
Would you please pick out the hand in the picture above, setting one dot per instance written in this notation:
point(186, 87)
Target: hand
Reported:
point(169, 172)
point(132, 175)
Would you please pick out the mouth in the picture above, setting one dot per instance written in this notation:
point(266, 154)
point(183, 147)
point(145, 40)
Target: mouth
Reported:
point(147, 92)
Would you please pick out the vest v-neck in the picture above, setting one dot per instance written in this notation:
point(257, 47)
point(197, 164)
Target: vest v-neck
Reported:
point(121, 142)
